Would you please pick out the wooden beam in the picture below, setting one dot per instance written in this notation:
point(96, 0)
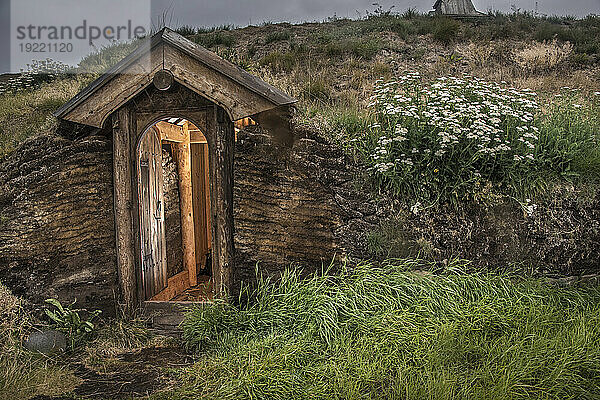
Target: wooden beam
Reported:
point(170, 132)
point(182, 151)
point(200, 187)
point(222, 149)
point(174, 133)
point(196, 136)
point(123, 168)
point(176, 285)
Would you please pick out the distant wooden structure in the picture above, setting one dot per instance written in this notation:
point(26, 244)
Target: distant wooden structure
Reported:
point(171, 93)
point(456, 8)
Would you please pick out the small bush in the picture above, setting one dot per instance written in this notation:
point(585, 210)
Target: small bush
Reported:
point(316, 89)
point(545, 56)
point(71, 322)
point(381, 69)
point(446, 30)
point(364, 48)
point(436, 142)
point(279, 61)
point(547, 32)
point(214, 39)
point(388, 24)
point(277, 37)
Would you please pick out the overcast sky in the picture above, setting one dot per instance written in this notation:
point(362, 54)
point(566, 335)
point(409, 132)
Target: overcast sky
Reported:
point(245, 12)
point(25, 25)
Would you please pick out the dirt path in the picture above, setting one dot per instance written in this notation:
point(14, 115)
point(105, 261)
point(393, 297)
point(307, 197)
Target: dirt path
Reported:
point(134, 374)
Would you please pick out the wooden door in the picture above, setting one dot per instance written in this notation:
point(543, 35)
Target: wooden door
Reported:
point(201, 204)
point(152, 215)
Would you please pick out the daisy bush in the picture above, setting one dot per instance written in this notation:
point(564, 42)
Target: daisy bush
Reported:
point(437, 141)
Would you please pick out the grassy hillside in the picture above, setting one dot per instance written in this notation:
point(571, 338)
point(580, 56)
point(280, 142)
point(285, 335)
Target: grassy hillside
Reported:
point(437, 111)
point(335, 68)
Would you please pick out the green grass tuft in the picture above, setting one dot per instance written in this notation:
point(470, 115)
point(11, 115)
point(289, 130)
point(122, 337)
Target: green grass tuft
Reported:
point(277, 36)
point(214, 39)
point(380, 333)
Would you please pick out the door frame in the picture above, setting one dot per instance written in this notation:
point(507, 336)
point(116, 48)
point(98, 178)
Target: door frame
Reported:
point(129, 126)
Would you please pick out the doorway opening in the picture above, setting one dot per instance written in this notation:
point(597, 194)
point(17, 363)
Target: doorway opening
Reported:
point(175, 224)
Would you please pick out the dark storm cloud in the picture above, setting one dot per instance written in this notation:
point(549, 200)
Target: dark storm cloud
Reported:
point(244, 12)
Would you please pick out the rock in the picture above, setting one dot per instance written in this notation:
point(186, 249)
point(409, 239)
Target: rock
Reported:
point(47, 342)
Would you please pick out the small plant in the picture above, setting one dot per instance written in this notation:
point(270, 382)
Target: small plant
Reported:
point(446, 30)
point(277, 37)
point(69, 321)
point(214, 39)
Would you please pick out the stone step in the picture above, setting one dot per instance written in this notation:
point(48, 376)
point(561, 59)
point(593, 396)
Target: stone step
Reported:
point(165, 317)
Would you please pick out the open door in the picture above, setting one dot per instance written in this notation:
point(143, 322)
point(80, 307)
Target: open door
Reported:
point(186, 278)
point(152, 218)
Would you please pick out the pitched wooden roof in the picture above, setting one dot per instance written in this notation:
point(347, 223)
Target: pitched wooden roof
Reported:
point(193, 66)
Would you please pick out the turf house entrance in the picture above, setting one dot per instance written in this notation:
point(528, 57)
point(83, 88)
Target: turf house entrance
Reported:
point(173, 104)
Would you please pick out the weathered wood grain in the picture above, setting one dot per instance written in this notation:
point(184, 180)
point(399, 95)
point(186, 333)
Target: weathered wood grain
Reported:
point(152, 214)
point(222, 150)
point(123, 170)
point(238, 100)
point(220, 81)
point(170, 132)
point(201, 196)
point(184, 168)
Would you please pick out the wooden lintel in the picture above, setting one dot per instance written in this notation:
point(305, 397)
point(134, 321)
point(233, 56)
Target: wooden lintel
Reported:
point(170, 132)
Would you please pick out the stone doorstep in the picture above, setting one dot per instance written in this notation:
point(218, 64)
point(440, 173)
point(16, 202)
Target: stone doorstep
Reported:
point(165, 317)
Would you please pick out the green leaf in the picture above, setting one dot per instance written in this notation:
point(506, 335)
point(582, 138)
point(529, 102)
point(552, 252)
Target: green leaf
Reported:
point(54, 317)
point(56, 304)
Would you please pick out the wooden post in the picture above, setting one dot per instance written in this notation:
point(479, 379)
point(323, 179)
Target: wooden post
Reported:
point(123, 134)
point(221, 129)
point(184, 167)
